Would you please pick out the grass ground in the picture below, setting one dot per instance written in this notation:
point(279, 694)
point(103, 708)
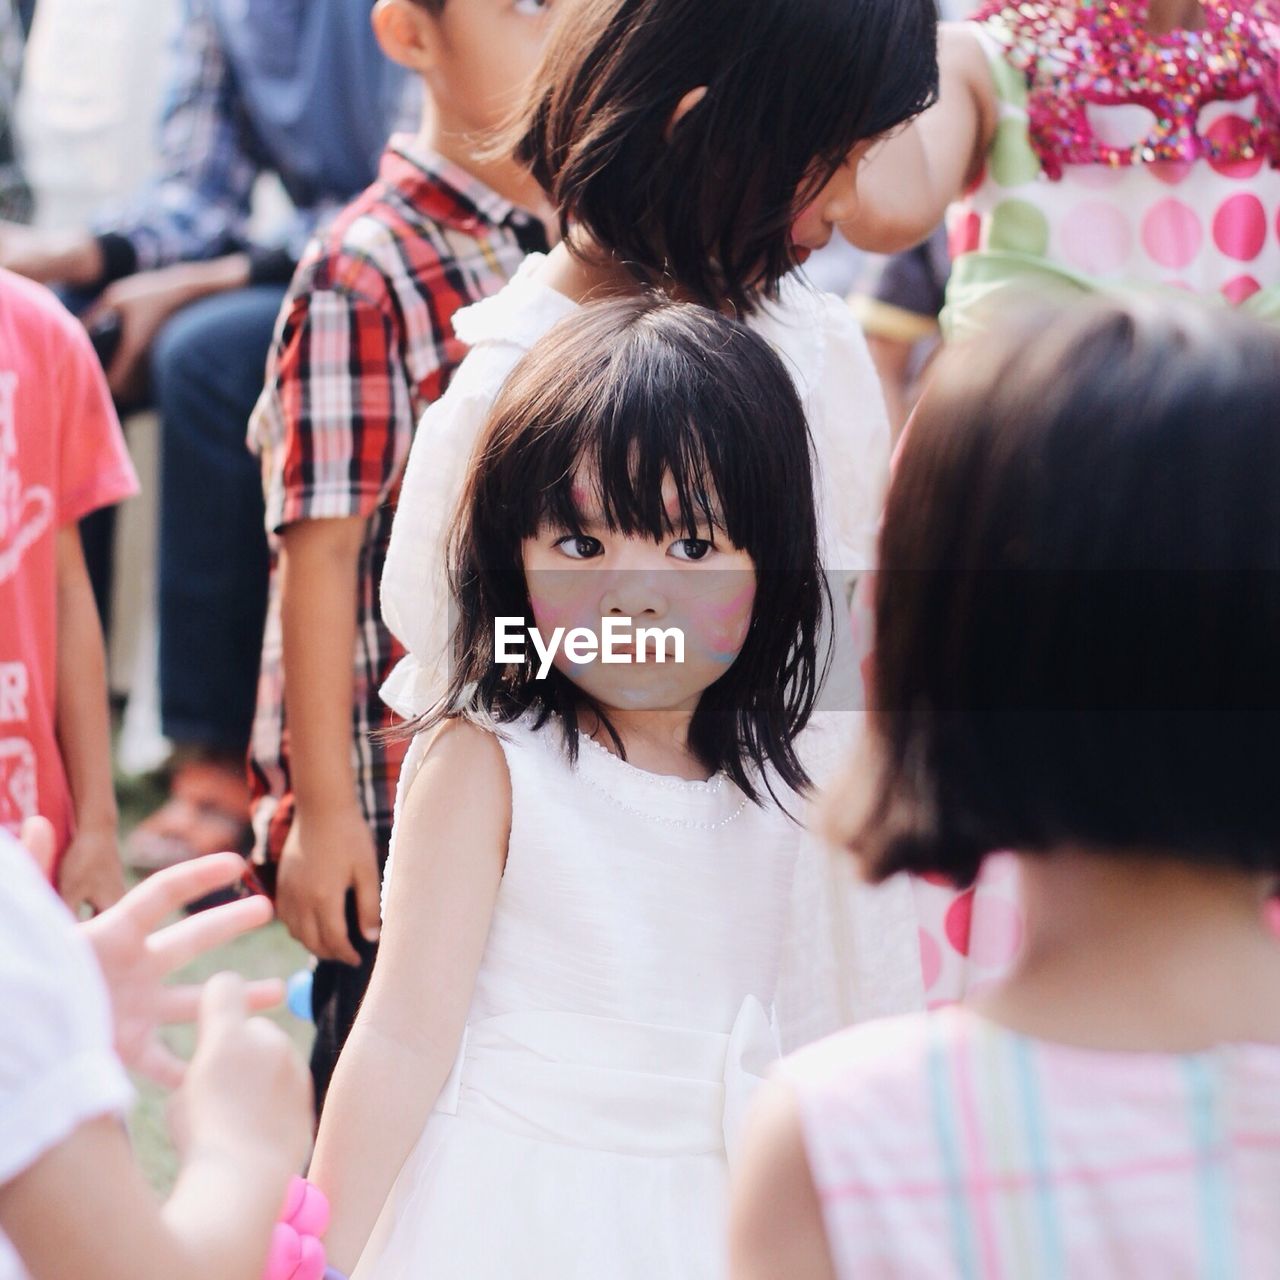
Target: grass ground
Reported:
point(268, 953)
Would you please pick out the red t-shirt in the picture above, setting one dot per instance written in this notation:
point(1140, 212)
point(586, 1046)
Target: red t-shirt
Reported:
point(62, 455)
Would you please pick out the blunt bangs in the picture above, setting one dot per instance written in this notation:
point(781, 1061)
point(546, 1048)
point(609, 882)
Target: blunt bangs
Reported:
point(647, 417)
point(793, 86)
point(616, 402)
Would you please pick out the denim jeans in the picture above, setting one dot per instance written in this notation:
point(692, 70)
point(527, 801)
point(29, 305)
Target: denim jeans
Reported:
point(207, 372)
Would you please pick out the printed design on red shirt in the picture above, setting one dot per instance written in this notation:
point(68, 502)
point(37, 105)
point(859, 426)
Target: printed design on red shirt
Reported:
point(18, 791)
point(25, 513)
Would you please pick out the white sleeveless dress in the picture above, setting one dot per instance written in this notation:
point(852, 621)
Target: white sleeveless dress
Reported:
point(621, 1018)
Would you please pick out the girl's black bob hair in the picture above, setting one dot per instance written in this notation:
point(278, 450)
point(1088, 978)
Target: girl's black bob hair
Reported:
point(793, 86)
point(617, 398)
point(1078, 605)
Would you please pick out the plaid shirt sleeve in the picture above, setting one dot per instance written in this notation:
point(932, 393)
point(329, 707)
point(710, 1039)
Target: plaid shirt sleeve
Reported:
point(199, 205)
point(336, 417)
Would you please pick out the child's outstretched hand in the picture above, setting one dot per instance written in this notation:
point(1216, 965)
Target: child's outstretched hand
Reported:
point(247, 1094)
point(137, 955)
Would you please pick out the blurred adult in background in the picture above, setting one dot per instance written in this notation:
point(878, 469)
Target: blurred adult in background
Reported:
point(182, 300)
point(94, 73)
point(15, 195)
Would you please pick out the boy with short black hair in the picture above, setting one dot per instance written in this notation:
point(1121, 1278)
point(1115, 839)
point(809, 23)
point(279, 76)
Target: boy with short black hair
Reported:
point(363, 344)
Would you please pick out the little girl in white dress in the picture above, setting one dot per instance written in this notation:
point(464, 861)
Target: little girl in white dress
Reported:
point(705, 151)
point(592, 867)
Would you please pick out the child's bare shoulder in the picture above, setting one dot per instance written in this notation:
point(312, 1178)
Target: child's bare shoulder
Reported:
point(462, 741)
point(466, 760)
point(460, 794)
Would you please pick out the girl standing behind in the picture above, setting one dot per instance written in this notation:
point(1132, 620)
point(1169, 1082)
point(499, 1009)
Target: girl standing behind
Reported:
point(584, 922)
point(1122, 145)
point(1077, 619)
point(702, 148)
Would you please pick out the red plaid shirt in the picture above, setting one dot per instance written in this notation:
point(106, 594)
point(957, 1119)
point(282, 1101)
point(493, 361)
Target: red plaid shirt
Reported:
point(363, 345)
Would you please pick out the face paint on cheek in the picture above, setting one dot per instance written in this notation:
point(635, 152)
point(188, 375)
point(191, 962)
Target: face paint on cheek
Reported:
point(565, 600)
point(723, 625)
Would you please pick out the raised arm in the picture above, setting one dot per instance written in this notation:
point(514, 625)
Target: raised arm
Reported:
point(450, 850)
point(84, 1209)
point(906, 181)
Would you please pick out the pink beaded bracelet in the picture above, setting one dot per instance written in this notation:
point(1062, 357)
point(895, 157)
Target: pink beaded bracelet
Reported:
point(296, 1252)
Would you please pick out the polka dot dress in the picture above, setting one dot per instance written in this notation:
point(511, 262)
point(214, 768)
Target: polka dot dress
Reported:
point(1211, 226)
point(968, 939)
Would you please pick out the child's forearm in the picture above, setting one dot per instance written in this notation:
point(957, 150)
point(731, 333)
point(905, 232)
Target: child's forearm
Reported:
point(84, 1210)
point(83, 716)
point(223, 1208)
point(381, 1096)
point(454, 824)
point(319, 588)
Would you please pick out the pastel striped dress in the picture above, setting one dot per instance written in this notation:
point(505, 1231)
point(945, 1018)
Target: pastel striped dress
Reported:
point(944, 1146)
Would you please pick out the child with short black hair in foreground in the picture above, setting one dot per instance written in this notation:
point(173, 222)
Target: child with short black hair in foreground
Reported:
point(1077, 617)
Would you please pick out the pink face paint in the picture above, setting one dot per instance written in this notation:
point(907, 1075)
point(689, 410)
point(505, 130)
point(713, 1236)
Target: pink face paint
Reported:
point(723, 625)
point(567, 598)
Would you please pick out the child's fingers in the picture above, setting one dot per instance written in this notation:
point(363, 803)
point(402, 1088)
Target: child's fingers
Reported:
point(368, 892)
point(40, 842)
point(105, 896)
point(160, 895)
point(160, 1065)
point(333, 942)
point(224, 1004)
point(266, 993)
point(182, 1004)
point(182, 942)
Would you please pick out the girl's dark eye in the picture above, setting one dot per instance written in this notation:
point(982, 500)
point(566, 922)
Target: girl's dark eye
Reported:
point(580, 547)
point(691, 549)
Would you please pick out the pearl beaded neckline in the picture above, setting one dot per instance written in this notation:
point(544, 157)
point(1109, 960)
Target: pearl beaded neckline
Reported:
point(719, 785)
point(667, 782)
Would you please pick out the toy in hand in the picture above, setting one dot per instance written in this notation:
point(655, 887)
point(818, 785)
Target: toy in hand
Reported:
point(296, 1252)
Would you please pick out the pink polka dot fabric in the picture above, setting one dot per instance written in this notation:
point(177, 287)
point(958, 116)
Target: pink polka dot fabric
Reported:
point(1171, 234)
point(968, 938)
point(1096, 237)
point(1240, 227)
point(1208, 227)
